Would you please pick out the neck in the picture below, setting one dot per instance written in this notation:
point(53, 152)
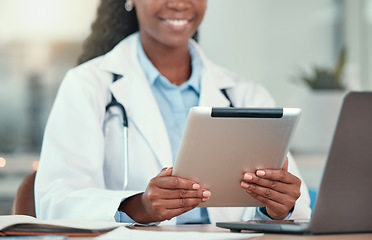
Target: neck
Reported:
point(174, 63)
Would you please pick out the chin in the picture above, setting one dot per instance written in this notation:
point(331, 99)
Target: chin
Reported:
point(176, 40)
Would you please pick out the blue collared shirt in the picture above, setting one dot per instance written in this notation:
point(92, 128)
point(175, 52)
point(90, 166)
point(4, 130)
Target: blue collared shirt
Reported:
point(174, 101)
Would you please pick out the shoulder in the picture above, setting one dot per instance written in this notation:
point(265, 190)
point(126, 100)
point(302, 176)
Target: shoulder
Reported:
point(87, 77)
point(243, 92)
point(98, 72)
point(249, 93)
point(84, 87)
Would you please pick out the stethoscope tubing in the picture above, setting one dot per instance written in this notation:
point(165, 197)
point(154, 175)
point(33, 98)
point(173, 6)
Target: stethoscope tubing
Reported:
point(126, 158)
point(115, 103)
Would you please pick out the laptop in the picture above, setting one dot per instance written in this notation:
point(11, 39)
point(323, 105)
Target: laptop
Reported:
point(344, 200)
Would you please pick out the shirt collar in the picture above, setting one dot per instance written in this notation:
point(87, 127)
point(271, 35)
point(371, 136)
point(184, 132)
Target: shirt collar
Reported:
point(150, 71)
point(196, 66)
point(152, 74)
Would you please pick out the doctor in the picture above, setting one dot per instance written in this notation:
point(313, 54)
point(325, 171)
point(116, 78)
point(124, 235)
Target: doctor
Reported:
point(159, 74)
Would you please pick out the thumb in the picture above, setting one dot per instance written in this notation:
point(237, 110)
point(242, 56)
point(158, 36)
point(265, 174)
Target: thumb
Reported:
point(285, 165)
point(167, 171)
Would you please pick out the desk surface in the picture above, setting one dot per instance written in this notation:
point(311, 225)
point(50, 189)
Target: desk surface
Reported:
point(213, 228)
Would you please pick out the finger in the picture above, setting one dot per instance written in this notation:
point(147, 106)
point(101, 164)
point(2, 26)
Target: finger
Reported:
point(285, 165)
point(250, 178)
point(181, 203)
point(165, 172)
point(179, 211)
point(170, 182)
point(270, 194)
point(184, 193)
point(278, 175)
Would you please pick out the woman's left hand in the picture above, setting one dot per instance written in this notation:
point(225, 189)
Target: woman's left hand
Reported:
point(278, 190)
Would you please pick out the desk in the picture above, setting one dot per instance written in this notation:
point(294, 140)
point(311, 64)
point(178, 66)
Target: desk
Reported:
point(213, 228)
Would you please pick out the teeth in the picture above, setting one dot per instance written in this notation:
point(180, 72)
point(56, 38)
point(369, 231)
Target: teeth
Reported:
point(177, 22)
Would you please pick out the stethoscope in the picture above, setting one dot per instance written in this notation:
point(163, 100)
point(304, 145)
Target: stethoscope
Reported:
point(115, 103)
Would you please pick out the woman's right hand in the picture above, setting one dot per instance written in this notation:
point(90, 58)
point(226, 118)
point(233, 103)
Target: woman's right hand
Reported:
point(166, 197)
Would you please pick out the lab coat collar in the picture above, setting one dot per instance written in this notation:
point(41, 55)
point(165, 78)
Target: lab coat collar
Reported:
point(120, 59)
point(134, 92)
point(213, 79)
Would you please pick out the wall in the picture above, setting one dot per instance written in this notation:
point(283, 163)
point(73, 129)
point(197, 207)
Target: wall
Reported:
point(271, 42)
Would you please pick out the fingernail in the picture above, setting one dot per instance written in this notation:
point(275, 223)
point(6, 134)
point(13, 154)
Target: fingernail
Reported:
point(205, 199)
point(195, 186)
point(207, 194)
point(248, 177)
point(244, 184)
point(260, 173)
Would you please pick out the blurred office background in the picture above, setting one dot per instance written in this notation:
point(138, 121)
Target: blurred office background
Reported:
point(277, 43)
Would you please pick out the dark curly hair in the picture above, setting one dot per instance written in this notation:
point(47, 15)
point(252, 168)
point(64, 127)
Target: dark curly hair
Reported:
point(112, 24)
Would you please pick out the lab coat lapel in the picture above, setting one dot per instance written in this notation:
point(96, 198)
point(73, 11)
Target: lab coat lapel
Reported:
point(134, 92)
point(211, 95)
point(213, 80)
point(144, 113)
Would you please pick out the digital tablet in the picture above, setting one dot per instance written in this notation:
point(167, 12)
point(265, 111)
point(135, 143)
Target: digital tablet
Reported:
point(220, 144)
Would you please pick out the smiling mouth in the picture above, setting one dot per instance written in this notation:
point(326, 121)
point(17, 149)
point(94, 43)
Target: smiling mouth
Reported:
point(177, 22)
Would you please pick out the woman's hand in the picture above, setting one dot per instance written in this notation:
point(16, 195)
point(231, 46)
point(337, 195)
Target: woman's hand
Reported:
point(165, 197)
point(278, 190)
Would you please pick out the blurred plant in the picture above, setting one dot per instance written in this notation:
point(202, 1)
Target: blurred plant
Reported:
point(327, 79)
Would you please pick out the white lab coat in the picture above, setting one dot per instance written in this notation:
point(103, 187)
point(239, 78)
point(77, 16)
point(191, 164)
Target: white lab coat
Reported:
point(77, 179)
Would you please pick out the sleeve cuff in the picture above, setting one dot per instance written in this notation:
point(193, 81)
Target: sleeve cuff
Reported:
point(123, 217)
point(262, 213)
